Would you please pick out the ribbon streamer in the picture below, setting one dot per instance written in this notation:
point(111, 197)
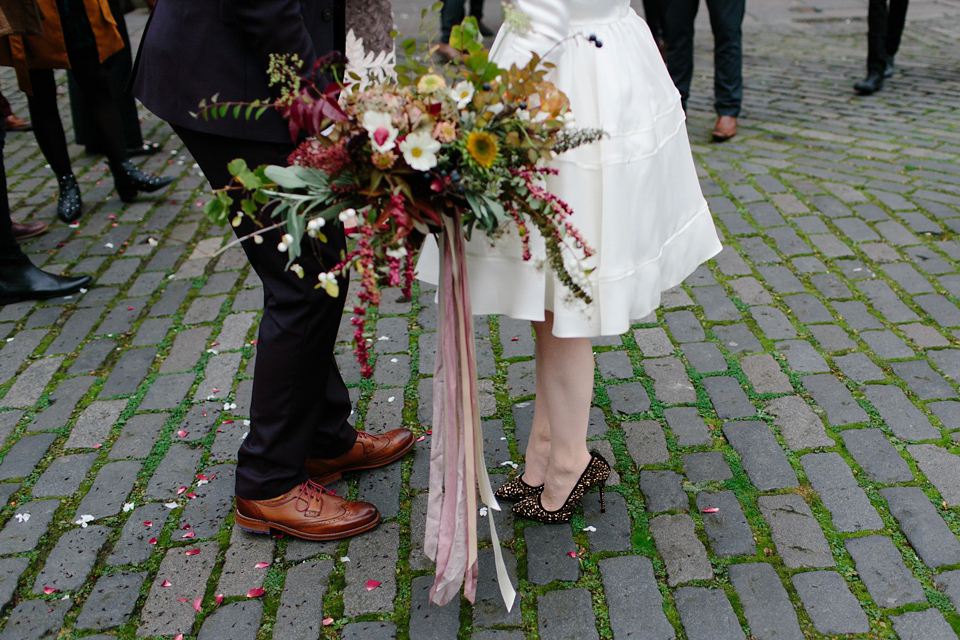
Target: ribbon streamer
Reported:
point(457, 467)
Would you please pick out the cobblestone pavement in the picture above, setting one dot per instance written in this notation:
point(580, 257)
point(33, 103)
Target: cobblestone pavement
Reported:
point(786, 430)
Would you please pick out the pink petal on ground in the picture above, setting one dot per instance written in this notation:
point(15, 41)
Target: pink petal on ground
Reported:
point(572, 554)
point(166, 583)
point(186, 526)
point(129, 308)
point(429, 432)
point(200, 476)
point(49, 590)
point(191, 552)
point(711, 510)
point(228, 422)
point(182, 600)
point(198, 604)
point(255, 593)
point(148, 523)
point(179, 636)
point(181, 490)
point(191, 495)
point(215, 343)
point(219, 598)
point(327, 622)
point(372, 584)
point(421, 438)
point(261, 565)
point(97, 446)
point(153, 541)
point(111, 217)
point(188, 534)
point(182, 433)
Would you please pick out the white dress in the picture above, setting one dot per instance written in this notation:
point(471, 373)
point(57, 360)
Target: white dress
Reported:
point(635, 194)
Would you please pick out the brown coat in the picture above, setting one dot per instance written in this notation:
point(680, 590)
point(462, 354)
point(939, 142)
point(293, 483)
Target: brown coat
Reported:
point(20, 17)
point(48, 50)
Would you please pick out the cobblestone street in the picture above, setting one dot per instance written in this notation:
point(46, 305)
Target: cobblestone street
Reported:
point(786, 428)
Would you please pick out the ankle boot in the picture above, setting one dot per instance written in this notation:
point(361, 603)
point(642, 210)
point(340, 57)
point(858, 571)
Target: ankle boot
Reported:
point(69, 205)
point(130, 180)
point(20, 280)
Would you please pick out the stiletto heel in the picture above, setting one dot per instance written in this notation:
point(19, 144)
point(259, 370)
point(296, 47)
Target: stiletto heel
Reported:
point(596, 474)
point(517, 489)
point(603, 497)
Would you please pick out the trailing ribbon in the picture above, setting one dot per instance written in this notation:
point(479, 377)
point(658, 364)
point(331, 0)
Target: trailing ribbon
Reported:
point(457, 468)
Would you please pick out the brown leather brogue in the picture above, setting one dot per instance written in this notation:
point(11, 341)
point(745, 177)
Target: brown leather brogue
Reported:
point(725, 128)
point(307, 511)
point(369, 452)
point(28, 229)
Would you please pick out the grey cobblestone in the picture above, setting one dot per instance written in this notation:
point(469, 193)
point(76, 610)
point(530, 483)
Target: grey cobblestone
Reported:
point(828, 601)
point(796, 533)
point(881, 568)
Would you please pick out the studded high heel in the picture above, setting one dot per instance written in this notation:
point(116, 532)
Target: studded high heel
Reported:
point(69, 205)
point(129, 181)
point(596, 474)
point(517, 489)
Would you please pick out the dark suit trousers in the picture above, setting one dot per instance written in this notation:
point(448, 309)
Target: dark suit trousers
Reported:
point(884, 28)
point(9, 248)
point(300, 404)
point(726, 20)
point(453, 14)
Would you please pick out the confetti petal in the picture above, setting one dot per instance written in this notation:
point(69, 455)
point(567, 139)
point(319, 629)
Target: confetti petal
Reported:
point(372, 584)
point(182, 600)
point(190, 494)
point(148, 523)
point(153, 541)
point(219, 598)
point(181, 490)
point(572, 554)
point(182, 433)
point(179, 636)
point(198, 604)
point(191, 552)
point(166, 583)
point(255, 593)
point(261, 565)
point(49, 590)
point(188, 534)
point(711, 510)
point(327, 622)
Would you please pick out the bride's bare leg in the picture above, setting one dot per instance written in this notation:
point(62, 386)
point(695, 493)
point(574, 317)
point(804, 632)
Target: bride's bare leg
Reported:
point(564, 392)
point(537, 453)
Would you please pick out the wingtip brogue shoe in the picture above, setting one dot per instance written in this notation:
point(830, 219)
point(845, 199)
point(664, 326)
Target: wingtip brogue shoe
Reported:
point(369, 452)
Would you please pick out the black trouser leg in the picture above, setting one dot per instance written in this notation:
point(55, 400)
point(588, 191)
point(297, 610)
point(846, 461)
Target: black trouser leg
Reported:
point(47, 127)
point(9, 248)
point(653, 12)
point(451, 15)
point(877, 36)
point(726, 21)
point(476, 9)
point(678, 18)
point(896, 18)
point(300, 404)
point(94, 82)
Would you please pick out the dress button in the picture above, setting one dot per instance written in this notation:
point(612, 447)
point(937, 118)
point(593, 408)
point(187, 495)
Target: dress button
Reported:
point(327, 15)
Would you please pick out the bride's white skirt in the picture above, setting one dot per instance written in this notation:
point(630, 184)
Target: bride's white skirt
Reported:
point(635, 194)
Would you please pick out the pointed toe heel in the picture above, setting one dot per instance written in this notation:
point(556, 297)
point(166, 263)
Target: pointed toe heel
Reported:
point(595, 475)
point(129, 181)
point(517, 489)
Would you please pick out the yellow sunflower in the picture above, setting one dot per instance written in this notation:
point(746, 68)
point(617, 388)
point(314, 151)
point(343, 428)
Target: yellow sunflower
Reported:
point(482, 148)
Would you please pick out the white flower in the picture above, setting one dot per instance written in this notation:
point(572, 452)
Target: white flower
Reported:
point(420, 151)
point(462, 92)
point(258, 239)
point(84, 520)
point(483, 512)
point(397, 252)
point(170, 505)
point(328, 282)
point(496, 108)
point(22, 517)
point(383, 134)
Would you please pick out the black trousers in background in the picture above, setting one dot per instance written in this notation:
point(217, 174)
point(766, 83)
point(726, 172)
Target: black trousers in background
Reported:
point(453, 14)
point(9, 248)
point(884, 28)
point(726, 20)
point(653, 14)
point(300, 403)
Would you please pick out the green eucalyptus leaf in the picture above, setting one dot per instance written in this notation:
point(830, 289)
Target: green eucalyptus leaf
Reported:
point(237, 166)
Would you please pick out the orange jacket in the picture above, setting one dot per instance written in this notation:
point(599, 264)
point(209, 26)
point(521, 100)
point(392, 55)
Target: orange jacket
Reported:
point(48, 50)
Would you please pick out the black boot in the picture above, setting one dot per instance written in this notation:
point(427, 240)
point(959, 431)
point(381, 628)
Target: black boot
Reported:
point(20, 280)
point(129, 181)
point(889, 69)
point(872, 83)
point(69, 206)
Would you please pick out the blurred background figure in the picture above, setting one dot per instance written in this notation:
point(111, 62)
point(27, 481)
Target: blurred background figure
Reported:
point(453, 14)
point(653, 14)
point(19, 279)
point(78, 35)
point(10, 119)
point(726, 21)
point(885, 22)
point(118, 67)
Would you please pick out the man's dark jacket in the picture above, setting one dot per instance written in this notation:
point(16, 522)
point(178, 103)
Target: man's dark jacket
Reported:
point(194, 49)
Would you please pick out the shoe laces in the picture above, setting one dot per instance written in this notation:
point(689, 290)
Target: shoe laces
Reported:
point(314, 493)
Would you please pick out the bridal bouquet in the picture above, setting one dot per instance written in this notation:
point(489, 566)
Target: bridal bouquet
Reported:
point(390, 159)
point(450, 152)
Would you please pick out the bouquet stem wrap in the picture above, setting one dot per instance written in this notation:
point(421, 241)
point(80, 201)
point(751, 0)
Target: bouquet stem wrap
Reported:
point(457, 467)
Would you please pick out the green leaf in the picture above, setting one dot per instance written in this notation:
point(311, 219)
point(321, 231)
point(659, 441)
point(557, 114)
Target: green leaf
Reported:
point(223, 109)
point(236, 111)
point(248, 206)
point(249, 180)
point(260, 112)
point(237, 166)
point(285, 177)
point(215, 211)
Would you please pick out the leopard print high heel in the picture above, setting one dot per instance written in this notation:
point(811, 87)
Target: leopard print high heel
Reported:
point(517, 489)
point(596, 474)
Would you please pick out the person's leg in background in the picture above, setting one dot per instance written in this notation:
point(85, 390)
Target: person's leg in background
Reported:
point(896, 19)
point(678, 18)
point(877, 16)
point(653, 14)
point(726, 21)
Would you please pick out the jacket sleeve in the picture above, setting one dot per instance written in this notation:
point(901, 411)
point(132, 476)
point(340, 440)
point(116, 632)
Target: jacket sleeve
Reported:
point(273, 26)
point(549, 24)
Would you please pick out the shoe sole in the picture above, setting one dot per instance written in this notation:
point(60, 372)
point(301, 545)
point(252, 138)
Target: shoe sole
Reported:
point(253, 525)
point(336, 475)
